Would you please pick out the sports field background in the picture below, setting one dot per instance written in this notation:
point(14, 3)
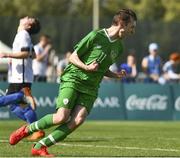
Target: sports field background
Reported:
point(104, 138)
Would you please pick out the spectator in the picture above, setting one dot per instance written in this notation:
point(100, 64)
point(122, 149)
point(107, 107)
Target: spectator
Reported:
point(169, 68)
point(52, 66)
point(130, 68)
point(42, 50)
point(151, 64)
point(63, 63)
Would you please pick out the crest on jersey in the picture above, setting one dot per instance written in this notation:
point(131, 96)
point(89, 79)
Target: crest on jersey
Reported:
point(114, 55)
point(65, 101)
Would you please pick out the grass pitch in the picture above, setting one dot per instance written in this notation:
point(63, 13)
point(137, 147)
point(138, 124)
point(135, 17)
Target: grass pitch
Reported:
point(104, 139)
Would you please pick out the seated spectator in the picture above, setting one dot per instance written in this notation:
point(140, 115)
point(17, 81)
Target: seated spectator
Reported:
point(130, 68)
point(40, 63)
point(169, 68)
point(151, 64)
point(51, 72)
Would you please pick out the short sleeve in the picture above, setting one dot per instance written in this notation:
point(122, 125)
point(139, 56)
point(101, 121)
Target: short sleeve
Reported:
point(85, 44)
point(37, 50)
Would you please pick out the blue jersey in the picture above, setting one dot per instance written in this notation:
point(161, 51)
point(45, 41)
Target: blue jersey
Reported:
point(126, 67)
point(128, 70)
point(154, 65)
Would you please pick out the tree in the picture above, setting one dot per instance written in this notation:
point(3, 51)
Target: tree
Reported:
point(172, 10)
point(34, 7)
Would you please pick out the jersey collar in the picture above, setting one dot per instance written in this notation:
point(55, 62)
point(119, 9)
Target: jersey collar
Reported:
point(110, 40)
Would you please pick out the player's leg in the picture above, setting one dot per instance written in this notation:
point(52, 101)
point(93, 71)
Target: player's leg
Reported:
point(28, 98)
point(61, 132)
point(44, 123)
point(65, 103)
point(30, 116)
point(17, 111)
point(27, 113)
point(78, 116)
point(28, 104)
point(11, 98)
point(85, 103)
point(23, 110)
point(20, 108)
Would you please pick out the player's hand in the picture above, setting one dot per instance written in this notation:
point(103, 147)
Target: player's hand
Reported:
point(92, 67)
point(122, 74)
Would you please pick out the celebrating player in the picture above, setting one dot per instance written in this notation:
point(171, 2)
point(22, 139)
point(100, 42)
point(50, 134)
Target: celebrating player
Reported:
point(21, 75)
point(80, 81)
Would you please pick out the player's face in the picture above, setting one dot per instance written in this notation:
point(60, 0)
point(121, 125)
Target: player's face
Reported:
point(26, 22)
point(126, 30)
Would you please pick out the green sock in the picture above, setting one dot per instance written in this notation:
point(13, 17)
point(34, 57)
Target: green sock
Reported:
point(43, 123)
point(59, 134)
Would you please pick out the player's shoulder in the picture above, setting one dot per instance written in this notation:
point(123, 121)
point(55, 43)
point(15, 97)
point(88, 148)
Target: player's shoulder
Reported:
point(23, 34)
point(93, 33)
point(98, 33)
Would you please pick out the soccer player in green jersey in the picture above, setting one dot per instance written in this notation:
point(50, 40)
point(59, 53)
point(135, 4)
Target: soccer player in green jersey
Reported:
point(80, 81)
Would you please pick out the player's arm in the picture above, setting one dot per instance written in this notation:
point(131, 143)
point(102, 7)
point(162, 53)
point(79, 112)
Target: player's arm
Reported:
point(119, 75)
point(74, 59)
point(18, 55)
point(26, 50)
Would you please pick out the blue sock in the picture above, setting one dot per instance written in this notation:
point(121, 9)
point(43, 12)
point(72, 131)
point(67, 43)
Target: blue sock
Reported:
point(26, 114)
point(30, 114)
point(11, 98)
point(18, 111)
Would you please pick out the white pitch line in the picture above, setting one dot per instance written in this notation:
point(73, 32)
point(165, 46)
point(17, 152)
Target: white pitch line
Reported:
point(106, 146)
point(118, 147)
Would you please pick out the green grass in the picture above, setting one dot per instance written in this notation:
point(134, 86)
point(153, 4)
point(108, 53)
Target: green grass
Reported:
point(108, 138)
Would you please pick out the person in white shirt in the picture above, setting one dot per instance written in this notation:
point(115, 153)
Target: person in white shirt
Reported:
point(21, 76)
point(169, 72)
point(40, 63)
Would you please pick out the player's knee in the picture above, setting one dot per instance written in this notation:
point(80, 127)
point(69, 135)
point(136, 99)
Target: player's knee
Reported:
point(79, 120)
point(75, 123)
point(59, 119)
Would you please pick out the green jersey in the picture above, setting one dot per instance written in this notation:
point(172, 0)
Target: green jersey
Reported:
point(96, 46)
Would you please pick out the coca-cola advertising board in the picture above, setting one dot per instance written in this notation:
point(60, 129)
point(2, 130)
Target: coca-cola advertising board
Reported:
point(109, 104)
point(176, 95)
point(148, 102)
